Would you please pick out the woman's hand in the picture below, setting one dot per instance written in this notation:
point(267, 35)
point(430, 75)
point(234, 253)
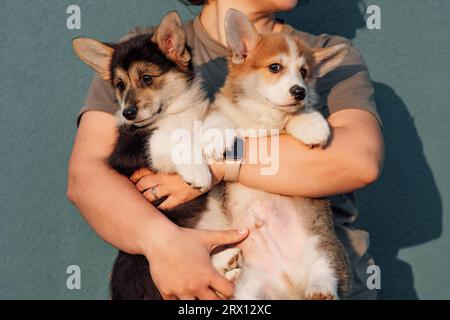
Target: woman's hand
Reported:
point(180, 263)
point(171, 186)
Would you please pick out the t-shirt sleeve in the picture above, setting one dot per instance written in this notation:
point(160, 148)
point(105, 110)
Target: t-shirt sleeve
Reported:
point(100, 96)
point(348, 86)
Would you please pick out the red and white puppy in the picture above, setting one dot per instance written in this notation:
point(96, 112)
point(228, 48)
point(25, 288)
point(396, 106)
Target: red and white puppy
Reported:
point(292, 251)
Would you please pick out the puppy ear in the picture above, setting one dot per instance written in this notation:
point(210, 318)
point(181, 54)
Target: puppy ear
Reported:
point(242, 36)
point(171, 39)
point(327, 59)
point(96, 54)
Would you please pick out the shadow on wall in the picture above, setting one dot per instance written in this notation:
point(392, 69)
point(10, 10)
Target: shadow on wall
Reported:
point(404, 208)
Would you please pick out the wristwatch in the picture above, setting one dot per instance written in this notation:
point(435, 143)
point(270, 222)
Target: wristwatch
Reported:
point(233, 159)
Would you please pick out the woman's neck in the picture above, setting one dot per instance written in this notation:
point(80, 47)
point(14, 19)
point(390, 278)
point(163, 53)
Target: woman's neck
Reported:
point(213, 14)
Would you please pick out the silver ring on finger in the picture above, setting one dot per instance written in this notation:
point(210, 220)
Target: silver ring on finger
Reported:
point(154, 192)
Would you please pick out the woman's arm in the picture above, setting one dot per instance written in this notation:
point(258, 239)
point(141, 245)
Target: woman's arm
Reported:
point(105, 198)
point(121, 216)
point(352, 160)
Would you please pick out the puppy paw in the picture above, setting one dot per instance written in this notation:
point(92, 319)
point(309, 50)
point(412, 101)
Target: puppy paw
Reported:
point(198, 176)
point(322, 284)
point(233, 274)
point(227, 260)
point(214, 149)
point(320, 296)
point(311, 128)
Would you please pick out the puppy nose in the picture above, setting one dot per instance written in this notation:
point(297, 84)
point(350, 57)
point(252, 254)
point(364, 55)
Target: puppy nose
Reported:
point(299, 93)
point(130, 113)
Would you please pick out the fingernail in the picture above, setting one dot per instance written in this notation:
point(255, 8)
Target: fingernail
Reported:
point(243, 231)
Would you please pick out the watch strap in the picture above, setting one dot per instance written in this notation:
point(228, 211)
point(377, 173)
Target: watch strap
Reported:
point(232, 169)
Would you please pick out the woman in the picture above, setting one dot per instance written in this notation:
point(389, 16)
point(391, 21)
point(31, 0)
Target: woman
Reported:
point(179, 258)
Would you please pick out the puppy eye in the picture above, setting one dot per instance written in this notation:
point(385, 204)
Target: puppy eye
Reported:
point(275, 67)
point(120, 85)
point(303, 72)
point(146, 79)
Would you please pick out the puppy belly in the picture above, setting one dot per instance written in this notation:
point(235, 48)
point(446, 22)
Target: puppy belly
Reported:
point(276, 244)
point(214, 218)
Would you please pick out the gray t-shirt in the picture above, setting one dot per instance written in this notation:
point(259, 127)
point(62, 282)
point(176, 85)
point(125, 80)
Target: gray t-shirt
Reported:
point(347, 87)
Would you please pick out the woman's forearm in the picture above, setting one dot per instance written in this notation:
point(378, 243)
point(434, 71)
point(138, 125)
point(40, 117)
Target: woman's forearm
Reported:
point(305, 172)
point(114, 208)
point(109, 202)
point(351, 161)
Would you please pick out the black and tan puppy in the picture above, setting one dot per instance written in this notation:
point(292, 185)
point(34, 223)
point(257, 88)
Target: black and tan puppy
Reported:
point(157, 94)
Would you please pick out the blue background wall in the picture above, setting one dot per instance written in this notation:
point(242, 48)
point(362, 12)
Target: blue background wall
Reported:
point(43, 86)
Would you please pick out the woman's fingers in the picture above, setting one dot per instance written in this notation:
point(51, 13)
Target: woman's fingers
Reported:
point(208, 294)
point(170, 203)
point(147, 182)
point(139, 174)
point(169, 297)
point(221, 284)
point(155, 193)
point(187, 297)
point(218, 238)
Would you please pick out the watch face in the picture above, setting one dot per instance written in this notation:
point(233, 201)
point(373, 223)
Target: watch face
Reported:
point(237, 153)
